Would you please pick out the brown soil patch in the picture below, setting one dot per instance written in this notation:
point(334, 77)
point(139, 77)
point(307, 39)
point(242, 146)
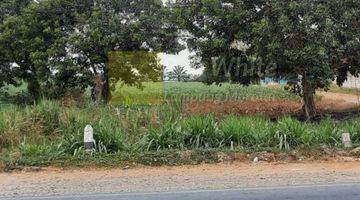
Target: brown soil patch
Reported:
point(335, 102)
point(270, 108)
point(329, 103)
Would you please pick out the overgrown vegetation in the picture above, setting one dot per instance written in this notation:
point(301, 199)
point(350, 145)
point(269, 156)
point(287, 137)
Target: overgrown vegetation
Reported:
point(47, 132)
point(337, 89)
point(155, 93)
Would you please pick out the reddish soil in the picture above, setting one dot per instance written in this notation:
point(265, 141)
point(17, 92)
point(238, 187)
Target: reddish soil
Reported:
point(270, 108)
point(329, 103)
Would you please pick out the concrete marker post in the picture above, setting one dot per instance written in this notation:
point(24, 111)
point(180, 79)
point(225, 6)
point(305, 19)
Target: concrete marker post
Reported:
point(89, 138)
point(346, 139)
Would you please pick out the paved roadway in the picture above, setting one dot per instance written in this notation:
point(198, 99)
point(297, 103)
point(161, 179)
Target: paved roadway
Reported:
point(323, 192)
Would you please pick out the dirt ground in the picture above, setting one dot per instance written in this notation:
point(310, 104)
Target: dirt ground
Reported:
point(329, 102)
point(160, 179)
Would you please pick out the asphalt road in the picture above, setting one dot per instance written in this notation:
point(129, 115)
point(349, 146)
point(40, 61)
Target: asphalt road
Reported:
point(323, 192)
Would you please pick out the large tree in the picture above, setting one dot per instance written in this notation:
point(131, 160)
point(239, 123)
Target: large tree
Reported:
point(122, 26)
point(12, 8)
point(8, 8)
point(217, 31)
point(179, 74)
point(316, 41)
point(33, 44)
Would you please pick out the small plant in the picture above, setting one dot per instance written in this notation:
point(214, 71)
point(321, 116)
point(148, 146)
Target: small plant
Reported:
point(169, 136)
point(292, 133)
point(238, 132)
point(45, 152)
point(109, 136)
point(202, 132)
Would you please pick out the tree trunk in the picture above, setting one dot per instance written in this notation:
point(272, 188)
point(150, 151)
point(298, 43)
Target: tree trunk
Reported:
point(94, 85)
point(34, 90)
point(309, 98)
point(105, 89)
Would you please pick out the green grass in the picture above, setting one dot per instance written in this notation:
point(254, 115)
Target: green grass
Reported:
point(155, 93)
point(131, 129)
point(13, 90)
point(337, 89)
point(48, 133)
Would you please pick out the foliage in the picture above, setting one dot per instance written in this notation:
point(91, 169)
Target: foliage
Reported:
point(169, 136)
point(156, 93)
point(56, 46)
point(245, 132)
point(218, 33)
point(33, 45)
point(202, 132)
point(178, 73)
point(314, 40)
point(122, 28)
point(47, 132)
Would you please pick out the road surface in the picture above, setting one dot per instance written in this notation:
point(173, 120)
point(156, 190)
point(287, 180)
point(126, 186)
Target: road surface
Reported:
point(322, 192)
point(236, 180)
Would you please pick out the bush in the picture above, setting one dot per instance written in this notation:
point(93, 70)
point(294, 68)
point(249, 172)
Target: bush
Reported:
point(10, 126)
point(326, 133)
point(238, 131)
point(109, 136)
point(47, 115)
point(151, 128)
point(169, 136)
point(202, 132)
point(352, 127)
point(246, 131)
point(50, 151)
point(292, 133)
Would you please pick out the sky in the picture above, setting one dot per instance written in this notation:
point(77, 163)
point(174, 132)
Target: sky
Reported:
point(170, 60)
point(182, 59)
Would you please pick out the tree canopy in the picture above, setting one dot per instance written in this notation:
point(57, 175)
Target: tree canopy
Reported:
point(178, 73)
point(124, 26)
point(65, 44)
point(313, 41)
point(218, 32)
point(316, 41)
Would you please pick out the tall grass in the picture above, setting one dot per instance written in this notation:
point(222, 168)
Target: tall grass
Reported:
point(202, 132)
point(157, 93)
point(168, 136)
point(152, 128)
point(11, 119)
point(246, 131)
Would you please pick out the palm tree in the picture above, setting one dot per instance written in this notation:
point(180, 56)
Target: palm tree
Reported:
point(178, 73)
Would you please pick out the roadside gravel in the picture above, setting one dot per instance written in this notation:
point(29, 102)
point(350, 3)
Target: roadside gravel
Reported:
point(50, 182)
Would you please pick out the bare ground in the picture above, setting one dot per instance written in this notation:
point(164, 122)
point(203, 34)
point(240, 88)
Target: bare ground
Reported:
point(159, 179)
point(330, 102)
point(338, 101)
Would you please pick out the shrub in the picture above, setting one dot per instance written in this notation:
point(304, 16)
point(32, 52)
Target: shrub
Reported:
point(239, 131)
point(246, 131)
point(292, 133)
point(169, 136)
point(50, 151)
point(10, 126)
point(352, 127)
point(46, 113)
point(202, 132)
point(326, 132)
point(109, 136)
